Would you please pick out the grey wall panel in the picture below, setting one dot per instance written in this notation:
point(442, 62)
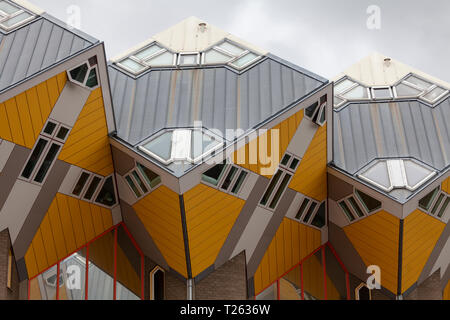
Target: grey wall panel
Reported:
point(123, 163)
point(11, 171)
point(242, 221)
point(338, 189)
point(141, 235)
point(40, 207)
point(269, 232)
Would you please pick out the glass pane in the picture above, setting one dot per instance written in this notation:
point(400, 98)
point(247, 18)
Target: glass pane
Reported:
point(280, 191)
point(285, 160)
point(434, 94)
point(363, 293)
point(188, 59)
point(322, 116)
point(8, 8)
point(320, 218)
point(107, 196)
point(92, 79)
point(359, 92)
point(157, 285)
point(422, 84)
point(229, 178)
point(378, 174)
point(342, 86)
point(231, 48)
point(369, 203)
point(241, 62)
point(49, 128)
point(139, 181)
point(152, 178)
point(313, 277)
point(346, 210)
point(239, 181)
point(214, 174)
point(79, 74)
point(336, 278)
point(164, 59)
point(311, 110)
point(80, 184)
point(268, 294)
point(161, 145)
point(215, 57)
point(147, 52)
point(294, 164)
point(290, 285)
point(302, 208)
point(37, 152)
point(62, 133)
point(444, 207)
point(310, 212)
point(92, 187)
point(404, 90)
point(426, 201)
point(17, 19)
point(133, 186)
point(272, 185)
point(337, 101)
point(43, 287)
point(128, 268)
point(101, 268)
point(382, 93)
point(438, 202)
point(48, 160)
point(355, 207)
point(201, 143)
point(132, 65)
point(73, 277)
point(416, 174)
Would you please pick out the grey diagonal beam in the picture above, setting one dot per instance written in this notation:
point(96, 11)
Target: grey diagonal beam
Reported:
point(241, 222)
point(185, 237)
point(270, 232)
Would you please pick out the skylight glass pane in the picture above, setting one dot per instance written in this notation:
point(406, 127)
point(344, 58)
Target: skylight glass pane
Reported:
point(241, 62)
point(404, 90)
point(378, 174)
point(181, 144)
point(337, 101)
point(424, 85)
point(8, 8)
point(215, 57)
point(382, 93)
point(416, 174)
point(395, 168)
point(188, 59)
point(161, 145)
point(426, 201)
point(342, 86)
point(17, 19)
point(147, 52)
point(132, 65)
point(438, 202)
point(434, 94)
point(359, 92)
point(164, 59)
point(202, 143)
point(231, 48)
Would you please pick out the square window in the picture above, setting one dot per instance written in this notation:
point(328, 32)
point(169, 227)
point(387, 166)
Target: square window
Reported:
point(382, 93)
point(188, 59)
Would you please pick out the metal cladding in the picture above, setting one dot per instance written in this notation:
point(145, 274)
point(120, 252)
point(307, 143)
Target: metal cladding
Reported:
point(219, 97)
point(36, 47)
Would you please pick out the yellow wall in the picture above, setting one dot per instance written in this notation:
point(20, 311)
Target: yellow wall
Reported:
point(292, 243)
point(210, 215)
point(286, 130)
point(22, 117)
point(311, 175)
point(446, 185)
point(69, 224)
point(376, 238)
point(446, 294)
point(160, 213)
point(420, 234)
point(88, 145)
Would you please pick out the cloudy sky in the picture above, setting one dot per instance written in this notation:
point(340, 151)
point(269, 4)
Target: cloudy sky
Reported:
point(324, 36)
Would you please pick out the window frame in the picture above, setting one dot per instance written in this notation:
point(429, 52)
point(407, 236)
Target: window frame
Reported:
point(152, 281)
point(287, 167)
point(266, 206)
point(423, 92)
point(223, 175)
point(85, 186)
point(374, 88)
point(188, 53)
point(439, 204)
point(83, 84)
point(361, 205)
point(7, 16)
point(359, 287)
point(97, 189)
point(144, 181)
point(116, 195)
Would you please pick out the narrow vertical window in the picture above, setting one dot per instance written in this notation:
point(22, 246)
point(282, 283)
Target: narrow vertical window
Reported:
point(157, 284)
point(81, 183)
point(92, 187)
point(35, 156)
point(271, 187)
point(10, 269)
point(239, 182)
point(48, 161)
point(229, 178)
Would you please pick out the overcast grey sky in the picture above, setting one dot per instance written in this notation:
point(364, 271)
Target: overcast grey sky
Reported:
point(324, 36)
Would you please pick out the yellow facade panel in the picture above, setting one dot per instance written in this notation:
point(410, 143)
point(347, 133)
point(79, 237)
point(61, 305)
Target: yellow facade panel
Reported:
point(446, 294)
point(376, 239)
point(446, 185)
point(311, 175)
point(420, 235)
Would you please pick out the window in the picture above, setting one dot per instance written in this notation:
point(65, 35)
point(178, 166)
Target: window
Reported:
point(413, 86)
point(10, 270)
point(107, 195)
point(347, 211)
point(85, 74)
point(157, 284)
point(229, 53)
point(362, 292)
point(142, 180)
point(359, 205)
point(435, 203)
point(12, 16)
point(189, 59)
point(277, 186)
point(152, 56)
point(347, 89)
point(382, 93)
point(90, 187)
point(45, 152)
point(229, 177)
point(312, 213)
point(190, 145)
point(396, 174)
point(81, 183)
point(311, 111)
point(290, 162)
point(95, 182)
point(369, 203)
point(316, 112)
point(320, 218)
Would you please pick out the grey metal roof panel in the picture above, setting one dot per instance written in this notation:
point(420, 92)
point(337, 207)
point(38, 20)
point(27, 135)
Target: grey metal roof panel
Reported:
point(36, 47)
point(220, 98)
point(366, 131)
